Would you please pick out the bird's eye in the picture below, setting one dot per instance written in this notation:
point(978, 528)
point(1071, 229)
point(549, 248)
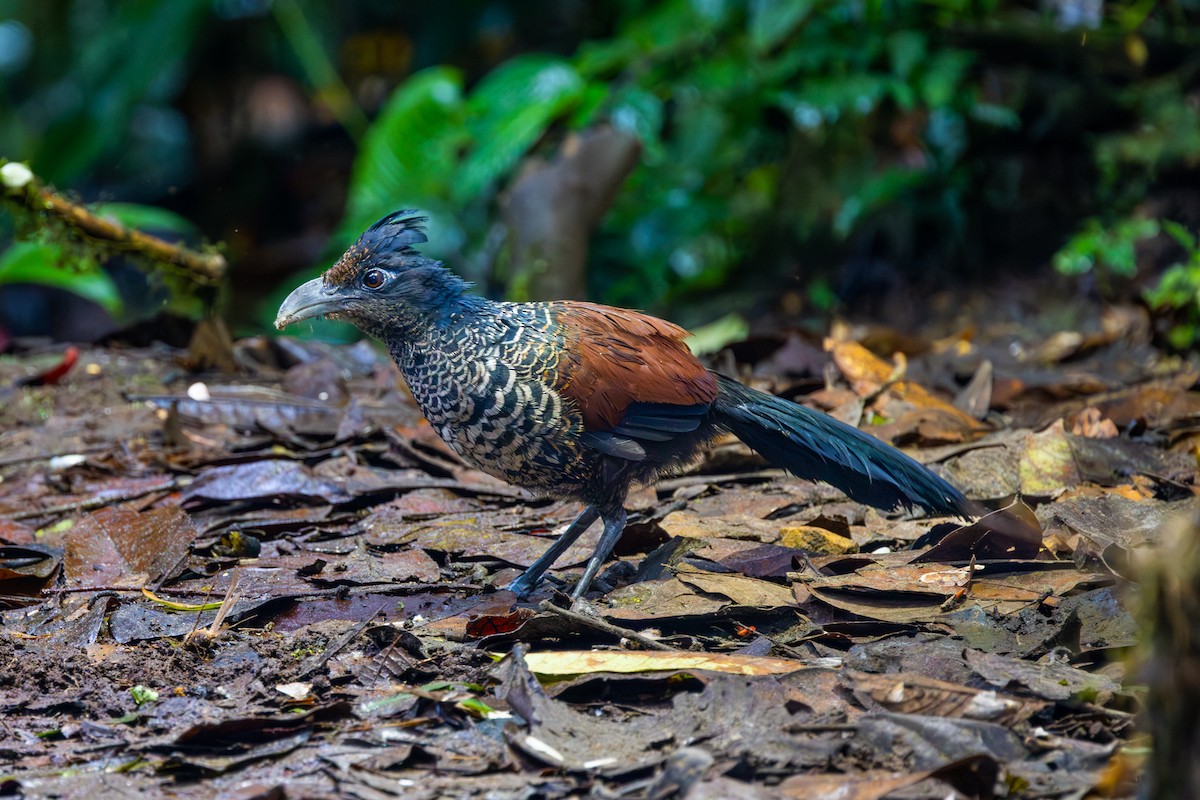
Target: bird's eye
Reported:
point(374, 279)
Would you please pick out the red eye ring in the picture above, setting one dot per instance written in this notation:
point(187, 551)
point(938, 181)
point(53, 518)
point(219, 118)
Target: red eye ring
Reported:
point(374, 279)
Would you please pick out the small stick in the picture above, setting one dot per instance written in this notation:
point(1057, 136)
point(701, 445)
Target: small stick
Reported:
point(605, 627)
point(93, 502)
point(46, 456)
point(315, 663)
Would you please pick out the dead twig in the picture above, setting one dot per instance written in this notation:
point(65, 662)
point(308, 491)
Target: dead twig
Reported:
point(10, 461)
point(605, 627)
point(101, 500)
point(314, 663)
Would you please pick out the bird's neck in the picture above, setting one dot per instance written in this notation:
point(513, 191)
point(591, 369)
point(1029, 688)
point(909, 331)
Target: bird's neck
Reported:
point(437, 333)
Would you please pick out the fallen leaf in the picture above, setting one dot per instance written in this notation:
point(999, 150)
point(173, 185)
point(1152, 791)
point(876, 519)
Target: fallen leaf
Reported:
point(742, 590)
point(565, 663)
point(122, 547)
point(812, 539)
point(1047, 466)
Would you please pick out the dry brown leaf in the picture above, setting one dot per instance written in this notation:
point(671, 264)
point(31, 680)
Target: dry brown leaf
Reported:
point(912, 693)
point(923, 592)
point(122, 547)
point(741, 590)
point(732, 526)
point(868, 374)
point(663, 598)
point(1092, 424)
point(563, 663)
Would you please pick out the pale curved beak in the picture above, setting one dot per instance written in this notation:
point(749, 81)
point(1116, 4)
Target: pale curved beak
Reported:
point(308, 300)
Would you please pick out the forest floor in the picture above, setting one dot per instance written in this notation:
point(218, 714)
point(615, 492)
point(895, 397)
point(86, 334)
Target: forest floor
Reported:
point(275, 581)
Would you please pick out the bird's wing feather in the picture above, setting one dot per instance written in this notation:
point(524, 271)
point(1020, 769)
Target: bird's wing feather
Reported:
point(630, 374)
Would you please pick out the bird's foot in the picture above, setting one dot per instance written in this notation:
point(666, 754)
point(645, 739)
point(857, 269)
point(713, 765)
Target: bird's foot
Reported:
point(524, 584)
point(521, 587)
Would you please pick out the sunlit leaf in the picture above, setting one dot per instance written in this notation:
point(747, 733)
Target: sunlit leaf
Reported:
point(563, 663)
point(718, 334)
point(508, 111)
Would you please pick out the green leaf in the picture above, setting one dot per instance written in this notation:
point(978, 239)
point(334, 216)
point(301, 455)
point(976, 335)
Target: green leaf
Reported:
point(1178, 288)
point(509, 110)
point(943, 73)
point(772, 21)
point(476, 707)
point(996, 115)
point(718, 334)
point(143, 694)
point(600, 59)
point(46, 265)
point(408, 156)
point(641, 113)
point(876, 192)
point(906, 49)
point(1110, 248)
point(664, 32)
point(1180, 234)
point(826, 100)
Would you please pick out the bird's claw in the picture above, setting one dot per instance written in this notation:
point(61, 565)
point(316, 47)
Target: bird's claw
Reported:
point(521, 587)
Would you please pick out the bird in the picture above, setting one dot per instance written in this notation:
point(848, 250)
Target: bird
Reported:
point(581, 401)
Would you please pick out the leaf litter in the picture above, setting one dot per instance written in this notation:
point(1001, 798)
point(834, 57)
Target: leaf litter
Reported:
point(280, 583)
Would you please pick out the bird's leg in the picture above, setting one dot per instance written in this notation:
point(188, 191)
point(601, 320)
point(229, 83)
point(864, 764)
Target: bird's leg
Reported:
point(614, 523)
point(527, 580)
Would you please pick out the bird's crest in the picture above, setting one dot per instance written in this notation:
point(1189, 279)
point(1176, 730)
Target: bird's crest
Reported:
point(395, 234)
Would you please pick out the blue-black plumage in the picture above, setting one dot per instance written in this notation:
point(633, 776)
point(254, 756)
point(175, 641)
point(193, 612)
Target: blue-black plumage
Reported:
point(817, 447)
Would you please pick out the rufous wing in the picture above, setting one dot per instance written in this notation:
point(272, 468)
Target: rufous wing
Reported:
point(617, 358)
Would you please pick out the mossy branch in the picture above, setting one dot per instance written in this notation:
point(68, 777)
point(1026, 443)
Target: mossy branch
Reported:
point(21, 187)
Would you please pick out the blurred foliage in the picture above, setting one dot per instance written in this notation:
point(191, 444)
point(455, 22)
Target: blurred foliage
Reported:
point(856, 146)
point(1105, 249)
point(1108, 252)
point(1176, 297)
point(758, 121)
point(109, 73)
point(785, 136)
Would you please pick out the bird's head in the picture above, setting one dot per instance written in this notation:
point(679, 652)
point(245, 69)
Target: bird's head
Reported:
point(382, 285)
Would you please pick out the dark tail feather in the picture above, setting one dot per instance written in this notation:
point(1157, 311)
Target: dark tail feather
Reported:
point(817, 447)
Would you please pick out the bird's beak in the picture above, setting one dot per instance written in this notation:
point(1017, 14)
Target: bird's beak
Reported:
point(308, 300)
